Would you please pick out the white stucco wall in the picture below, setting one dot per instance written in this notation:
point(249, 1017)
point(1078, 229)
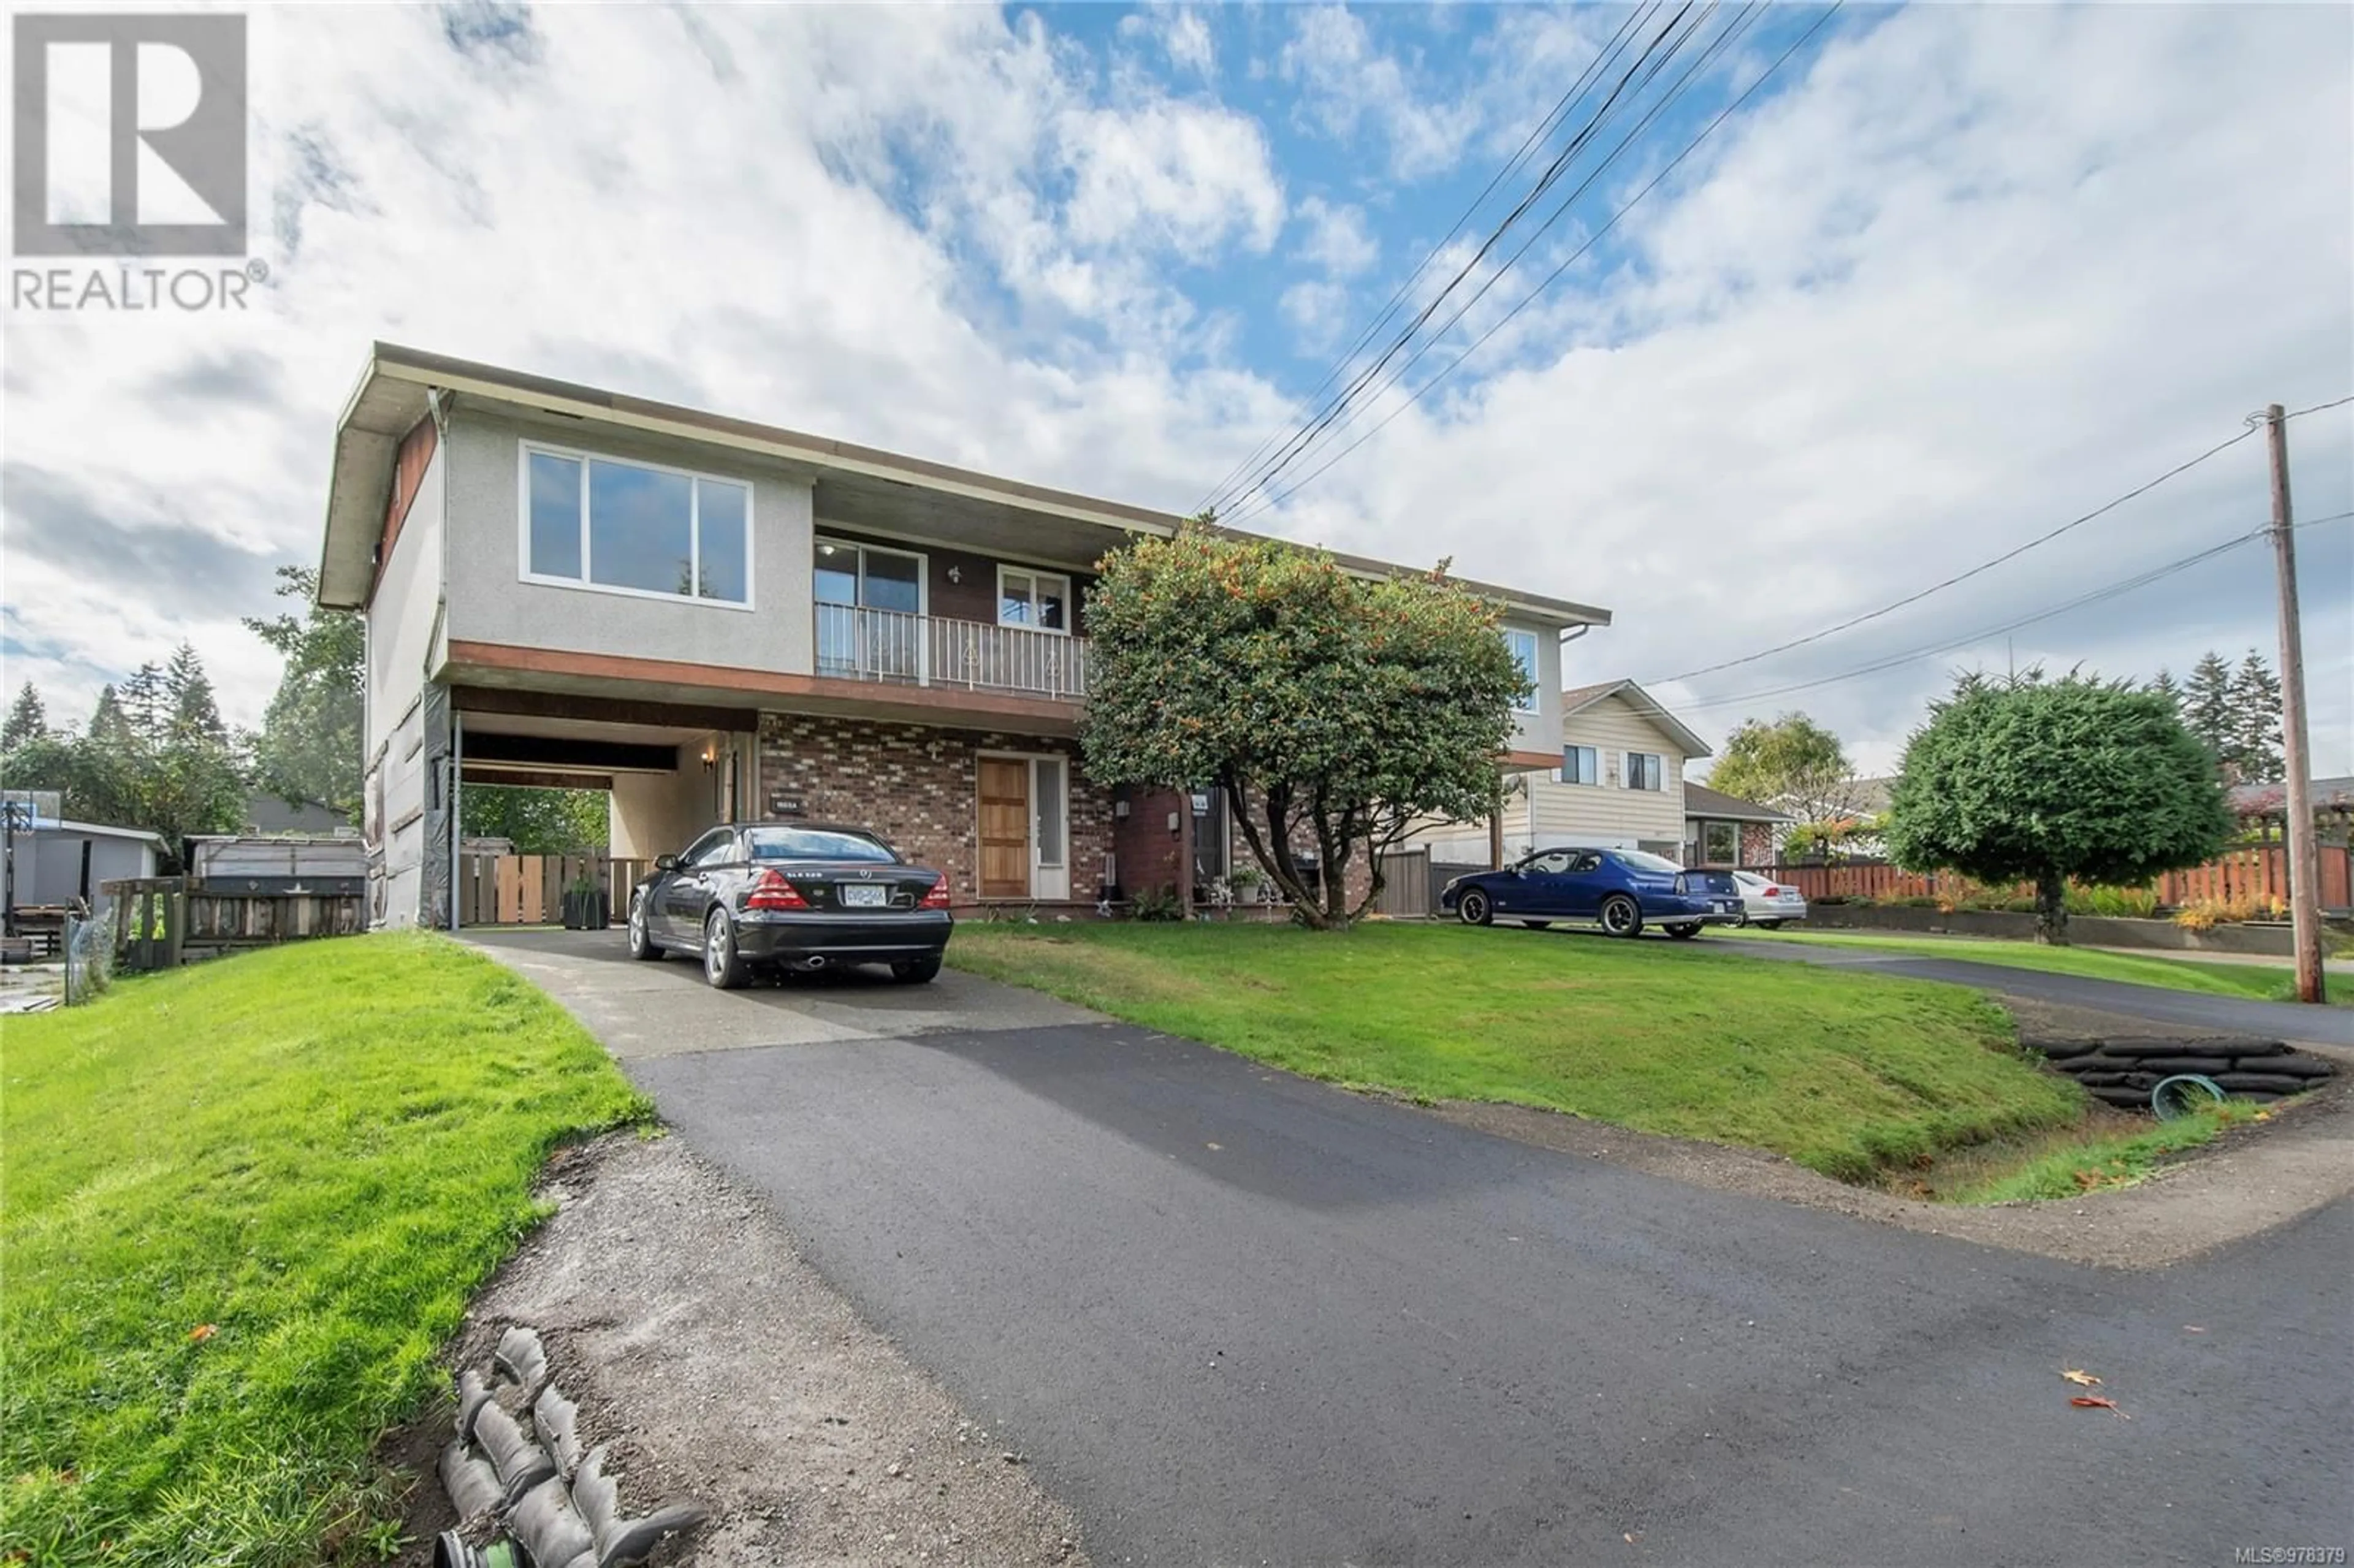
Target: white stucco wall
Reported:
point(490, 602)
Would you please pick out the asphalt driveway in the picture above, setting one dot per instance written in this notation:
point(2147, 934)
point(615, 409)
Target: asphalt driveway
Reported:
point(2221, 1014)
point(1235, 1316)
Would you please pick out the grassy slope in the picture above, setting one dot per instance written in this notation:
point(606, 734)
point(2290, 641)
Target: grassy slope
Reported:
point(1842, 1072)
point(2251, 982)
point(319, 1149)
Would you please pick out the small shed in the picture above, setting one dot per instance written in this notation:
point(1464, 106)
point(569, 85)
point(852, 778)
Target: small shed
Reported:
point(61, 862)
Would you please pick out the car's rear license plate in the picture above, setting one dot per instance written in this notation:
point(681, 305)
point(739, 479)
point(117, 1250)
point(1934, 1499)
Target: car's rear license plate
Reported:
point(858, 898)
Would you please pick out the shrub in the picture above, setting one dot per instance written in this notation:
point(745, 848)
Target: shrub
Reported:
point(2205, 913)
point(2115, 903)
point(1158, 903)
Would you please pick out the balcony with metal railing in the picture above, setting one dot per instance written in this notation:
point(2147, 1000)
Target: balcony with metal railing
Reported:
point(855, 643)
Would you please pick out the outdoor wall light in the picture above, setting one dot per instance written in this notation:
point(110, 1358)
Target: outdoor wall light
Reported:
point(706, 758)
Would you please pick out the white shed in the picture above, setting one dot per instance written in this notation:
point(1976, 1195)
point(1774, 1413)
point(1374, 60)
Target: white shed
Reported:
point(65, 860)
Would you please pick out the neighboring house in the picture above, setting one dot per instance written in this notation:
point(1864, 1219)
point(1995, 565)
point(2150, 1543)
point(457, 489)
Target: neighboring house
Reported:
point(711, 619)
point(61, 863)
point(268, 813)
point(1722, 830)
point(1618, 783)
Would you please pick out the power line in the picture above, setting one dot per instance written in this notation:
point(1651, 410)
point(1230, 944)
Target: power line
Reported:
point(1987, 566)
point(2113, 590)
point(1267, 468)
point(1543, 128)
point(1733, 30)
point(1277, 498)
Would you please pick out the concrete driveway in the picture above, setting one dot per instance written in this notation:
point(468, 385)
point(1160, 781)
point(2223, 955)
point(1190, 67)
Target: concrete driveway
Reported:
point(1234, 1316)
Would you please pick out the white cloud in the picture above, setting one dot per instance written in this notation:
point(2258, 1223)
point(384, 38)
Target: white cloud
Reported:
point(1347, 81)
point(1982, 269)
point(1182, 34)
point(1317, 309)
point(1337, 240)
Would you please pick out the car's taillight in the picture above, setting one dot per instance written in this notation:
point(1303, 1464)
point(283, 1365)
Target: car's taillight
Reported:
point(938, 899)
point(771, 891)
point(1772, 893)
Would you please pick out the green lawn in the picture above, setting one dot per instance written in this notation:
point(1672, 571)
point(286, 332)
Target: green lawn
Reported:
point(1849, 1074)
point(316, 1153)
point(2253, 981)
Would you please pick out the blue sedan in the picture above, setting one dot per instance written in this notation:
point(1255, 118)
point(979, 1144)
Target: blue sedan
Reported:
point(1619, 890)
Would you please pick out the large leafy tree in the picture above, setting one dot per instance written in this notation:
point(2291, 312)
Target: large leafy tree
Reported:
point(540, 822)
point(157, 757)
point(1330, 710)
point(309, 749)
point(2028, 780)
point(1793, 764)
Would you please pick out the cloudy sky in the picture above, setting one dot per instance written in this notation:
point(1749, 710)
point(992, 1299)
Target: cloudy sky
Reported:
point(1948, 278)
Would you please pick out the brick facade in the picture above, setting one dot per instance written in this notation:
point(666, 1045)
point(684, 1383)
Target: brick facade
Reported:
point(918, 786)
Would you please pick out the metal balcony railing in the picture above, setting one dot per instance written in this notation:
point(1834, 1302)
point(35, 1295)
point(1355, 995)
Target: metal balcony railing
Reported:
point(859, 644)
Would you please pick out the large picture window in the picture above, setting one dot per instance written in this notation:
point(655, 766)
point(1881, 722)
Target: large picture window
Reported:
point(636, 528)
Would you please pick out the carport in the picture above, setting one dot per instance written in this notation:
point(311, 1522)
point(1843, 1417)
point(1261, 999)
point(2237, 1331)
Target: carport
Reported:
point(668, 769)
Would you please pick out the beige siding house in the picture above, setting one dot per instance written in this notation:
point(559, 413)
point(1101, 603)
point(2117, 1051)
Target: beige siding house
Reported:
point(1620, 783)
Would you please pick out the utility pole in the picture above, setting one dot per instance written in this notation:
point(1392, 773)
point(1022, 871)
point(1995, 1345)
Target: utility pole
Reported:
point(2303, 862)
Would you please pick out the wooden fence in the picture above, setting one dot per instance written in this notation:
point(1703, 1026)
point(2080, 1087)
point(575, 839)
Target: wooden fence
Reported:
point(2257, 873)
point(528, 889)
point(159, 922)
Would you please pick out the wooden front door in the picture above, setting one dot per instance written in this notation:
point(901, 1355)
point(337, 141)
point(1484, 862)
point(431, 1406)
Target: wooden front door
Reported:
point(1004, 828)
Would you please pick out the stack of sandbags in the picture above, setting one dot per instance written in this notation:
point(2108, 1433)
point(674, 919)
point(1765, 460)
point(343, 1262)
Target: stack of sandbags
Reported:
point(516, 1466)
point(2124, 1069)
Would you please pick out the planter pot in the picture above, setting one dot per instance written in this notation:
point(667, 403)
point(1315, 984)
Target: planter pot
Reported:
point(586, 911)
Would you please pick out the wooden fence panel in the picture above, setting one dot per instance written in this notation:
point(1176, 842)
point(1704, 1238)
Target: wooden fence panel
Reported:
point(2247, 873)
point(529, 889)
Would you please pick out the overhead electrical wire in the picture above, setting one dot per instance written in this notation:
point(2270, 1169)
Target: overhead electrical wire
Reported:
point(1543, 129)
point(2112, 590)
point(1268, 467)
point(1273, 498)
point(2012, 553)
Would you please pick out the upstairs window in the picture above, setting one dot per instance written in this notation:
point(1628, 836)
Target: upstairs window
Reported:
point(636, 528)
point(1579, 764)
point(1041, 600)
point(1523, 645)
point(1646, 770)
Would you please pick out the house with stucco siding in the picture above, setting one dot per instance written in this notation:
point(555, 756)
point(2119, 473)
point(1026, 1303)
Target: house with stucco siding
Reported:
point(713, 619)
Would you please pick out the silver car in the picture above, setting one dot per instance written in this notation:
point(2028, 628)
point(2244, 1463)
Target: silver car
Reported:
point(1768, 903)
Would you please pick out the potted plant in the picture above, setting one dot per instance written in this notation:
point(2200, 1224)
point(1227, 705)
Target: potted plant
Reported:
point(584, 906)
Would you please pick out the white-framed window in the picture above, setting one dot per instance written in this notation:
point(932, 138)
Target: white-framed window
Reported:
point(632, 527)
point(1523, 645)
point(1579, 764)
point(850, 581)
point(1049, 806)
point(1039, 600)
point(1646, 770)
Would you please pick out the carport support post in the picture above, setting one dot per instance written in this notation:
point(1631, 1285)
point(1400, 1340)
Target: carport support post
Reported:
point(1496, 825)
point(456, 808)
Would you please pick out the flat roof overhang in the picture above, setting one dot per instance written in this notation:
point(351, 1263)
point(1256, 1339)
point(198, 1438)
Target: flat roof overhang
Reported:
point(856, 487)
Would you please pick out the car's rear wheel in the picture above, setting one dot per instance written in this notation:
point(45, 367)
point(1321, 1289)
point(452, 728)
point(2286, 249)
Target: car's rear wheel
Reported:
point(1768, 925)
point(916, 971)
point(642, 942)
point(1620, 915)
point(1473, 909)
point(723, 965)
point(1537, 925)
point(1683, 933)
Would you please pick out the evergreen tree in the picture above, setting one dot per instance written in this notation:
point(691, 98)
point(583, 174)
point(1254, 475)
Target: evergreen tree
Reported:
point(2207, 709)
point(188, 693)
point(108, 725)
point(2256, 720)
point(27, 720)
point(145, 705)
point(309, 749)
point(2163, 686)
